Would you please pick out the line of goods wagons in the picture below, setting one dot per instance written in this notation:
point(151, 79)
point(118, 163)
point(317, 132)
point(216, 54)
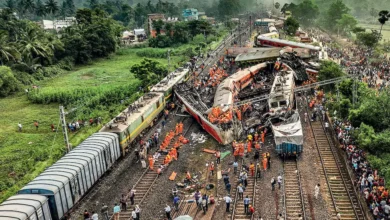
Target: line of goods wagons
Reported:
point(53, 193)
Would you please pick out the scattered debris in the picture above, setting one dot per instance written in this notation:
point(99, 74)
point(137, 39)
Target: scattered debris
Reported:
point(199, 138)
point(172, 176)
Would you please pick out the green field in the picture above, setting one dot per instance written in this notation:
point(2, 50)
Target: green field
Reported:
point(385, 30)
point(24, 155)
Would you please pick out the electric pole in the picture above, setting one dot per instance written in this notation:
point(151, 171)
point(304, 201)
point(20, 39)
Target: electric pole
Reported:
point(64, 130)
point(250, 26)
point(239, 29)
point(169, 60)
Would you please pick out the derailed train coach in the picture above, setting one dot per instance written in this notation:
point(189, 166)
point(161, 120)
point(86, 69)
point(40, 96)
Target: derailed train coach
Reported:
point(25, 207)
point(63, 184)
point(150, 106)
point(69, 179)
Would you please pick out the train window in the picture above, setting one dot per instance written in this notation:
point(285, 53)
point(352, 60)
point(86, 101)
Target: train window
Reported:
point(274, 104)
point(158, 103)
point(34, 191)
point(283, 103)
point(142, 118)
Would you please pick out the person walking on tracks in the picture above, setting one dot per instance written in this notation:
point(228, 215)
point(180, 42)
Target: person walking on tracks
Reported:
point(138, 211)
point(218, 156)
point(134, 215)
point(246, 205)
point(132, 195)
point(117, 210)
point(123, 202)
point(273, 182)
point(228, 200)
point(280, 181)
point(317, 191)
point(258, 172)
point(167, 210)
point(104, 211)
point(176, 200)
point(240, 190)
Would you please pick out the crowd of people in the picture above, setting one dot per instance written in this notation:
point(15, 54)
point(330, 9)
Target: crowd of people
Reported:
point(367, 180)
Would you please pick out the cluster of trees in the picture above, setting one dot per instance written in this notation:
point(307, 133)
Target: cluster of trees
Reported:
point(31, 9)
point(30, 51)
point(180, 32)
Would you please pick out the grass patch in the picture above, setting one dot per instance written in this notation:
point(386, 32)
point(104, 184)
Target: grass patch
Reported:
point(385, 30)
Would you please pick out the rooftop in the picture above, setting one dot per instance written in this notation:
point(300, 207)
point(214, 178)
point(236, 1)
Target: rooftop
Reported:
point(271, 53)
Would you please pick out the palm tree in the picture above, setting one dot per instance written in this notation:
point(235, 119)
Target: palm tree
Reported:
point(10, 4)
point(8, 51)
point(40, 9)
point(383, 17)
point(51, 6)
point(31, 47)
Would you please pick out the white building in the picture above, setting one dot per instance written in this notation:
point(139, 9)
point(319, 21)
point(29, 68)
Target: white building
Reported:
point(58, 24)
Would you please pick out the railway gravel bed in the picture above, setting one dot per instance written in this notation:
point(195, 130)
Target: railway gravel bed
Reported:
point(122, 177)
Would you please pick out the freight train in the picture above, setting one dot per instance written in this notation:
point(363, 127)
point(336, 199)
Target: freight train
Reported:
point(53, 193)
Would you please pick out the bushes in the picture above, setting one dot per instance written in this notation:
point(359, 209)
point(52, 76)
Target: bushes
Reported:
point(8, 82)
point(152, 53)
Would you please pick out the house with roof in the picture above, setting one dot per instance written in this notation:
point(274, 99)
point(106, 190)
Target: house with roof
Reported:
point(190, 14)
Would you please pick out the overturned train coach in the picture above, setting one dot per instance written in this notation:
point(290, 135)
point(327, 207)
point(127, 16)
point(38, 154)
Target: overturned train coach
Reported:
point(53, 193)
point(224, 98)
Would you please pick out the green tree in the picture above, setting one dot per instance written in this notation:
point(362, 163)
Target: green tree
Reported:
point(158, 25)
point(229, 8)
point(291, 26)
point(40, 9)
point(149, 71)
point(373, 12)
point(71, 8)
point(383, 17)
point(335, 12)
point(10, 4)
point(358, 30)
point(93, 3)
point(8, 82)
point(368, 39)
point(168, 28)
point(63, 11)
point(8, 52)
point(51, 7)
point(305, 12)
point(180, 34)
point(329, 70)
point(347, 23)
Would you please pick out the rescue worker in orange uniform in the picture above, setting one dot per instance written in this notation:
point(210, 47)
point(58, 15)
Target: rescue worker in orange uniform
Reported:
point(238, 112)
point(249, 146)
point(263, 137)
point(241, 149)
point(177, 129)
point(151, 162)
point(211, 168)
point(257, 146)
point(256, 136)
point(167, 159)
point(265, 163)
point(173, 153)
point(234, 144)
point(252, 169)
point(236, 153)
point(181, 128)
point(188, 177)
point(177, 144)
point(183, 140)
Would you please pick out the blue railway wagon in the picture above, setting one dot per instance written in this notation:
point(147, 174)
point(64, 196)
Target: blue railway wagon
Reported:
point(289, 149)
point(65, 182)
point(25, 207)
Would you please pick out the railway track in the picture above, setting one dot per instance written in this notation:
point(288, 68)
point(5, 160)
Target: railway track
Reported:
point(238, 212)
point(340, 187)
point(147, 180)
point(294, 204)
